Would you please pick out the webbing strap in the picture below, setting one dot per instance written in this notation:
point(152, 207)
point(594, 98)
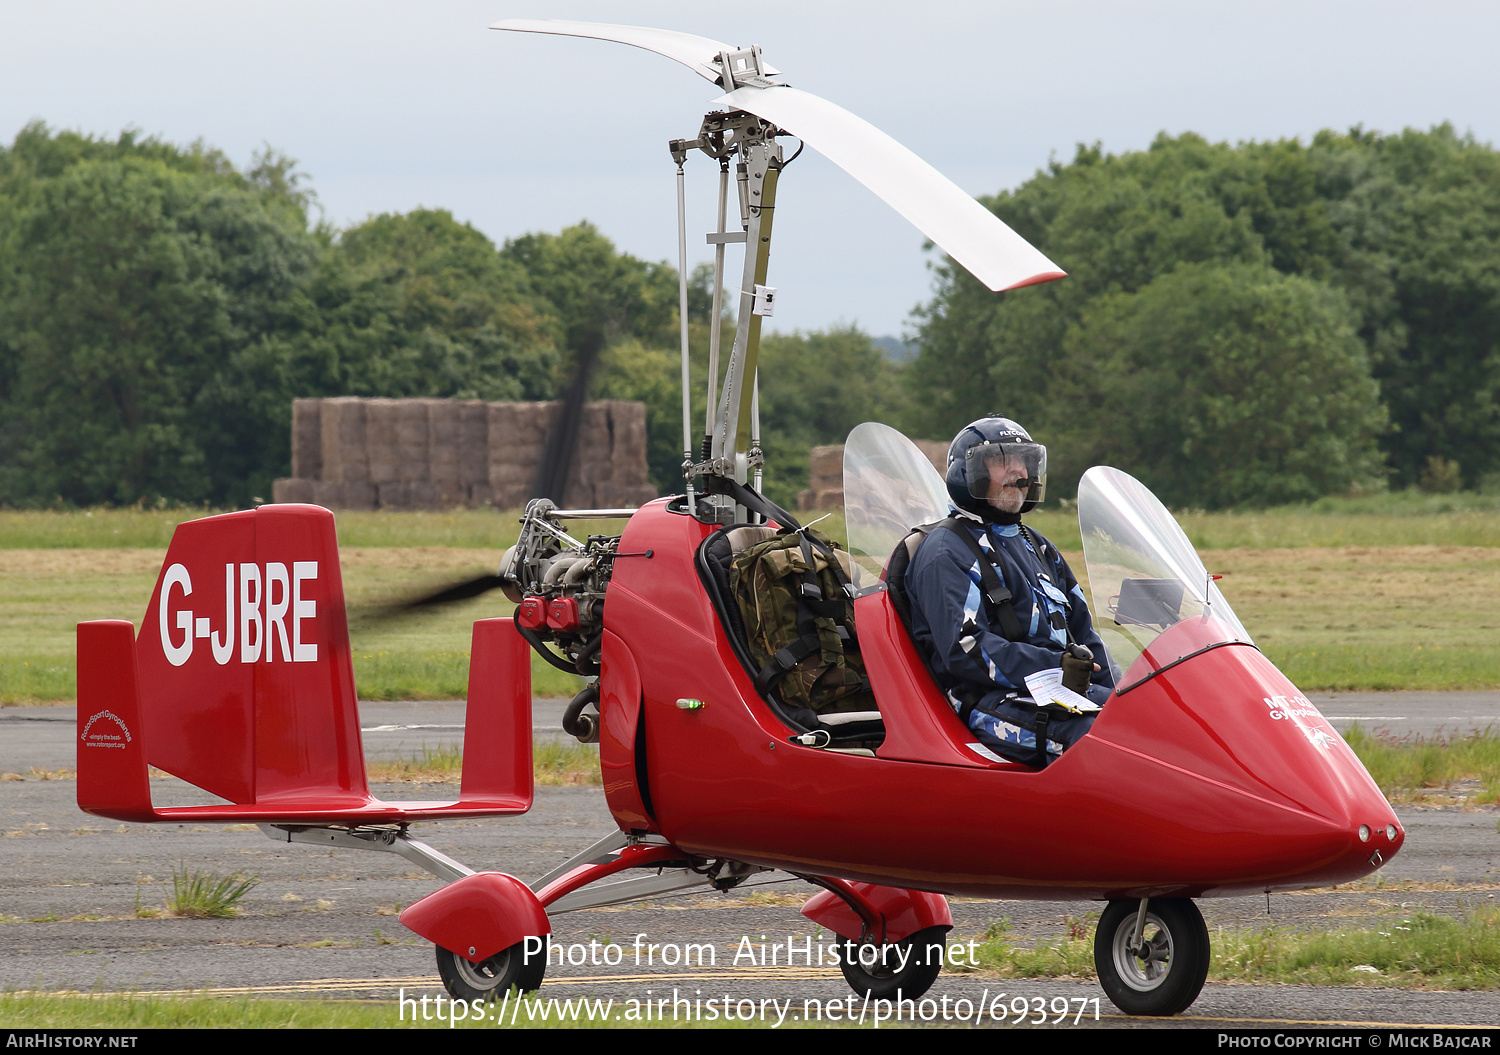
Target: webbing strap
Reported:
point(786, 658)
point(968, 696)
point(1001, 600)
point(1050, 558)
point(812, 591)
point(1044, 553)
point(1041, 738)
point(752, 500)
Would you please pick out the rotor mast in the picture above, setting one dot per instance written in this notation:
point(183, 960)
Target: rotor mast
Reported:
point(731, 439)
point(761, 163)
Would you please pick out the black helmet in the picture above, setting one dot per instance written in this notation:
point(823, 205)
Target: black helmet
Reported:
point(994, 441)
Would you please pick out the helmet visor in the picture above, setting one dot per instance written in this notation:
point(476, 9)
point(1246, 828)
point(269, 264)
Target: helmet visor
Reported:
point(991, 468)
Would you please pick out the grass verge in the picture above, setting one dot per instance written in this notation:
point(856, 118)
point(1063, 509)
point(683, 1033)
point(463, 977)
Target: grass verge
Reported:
point(554, 762)
point(1355, 618)
point(1345, 604)
point(1403, 518)
point(148, 1011)
point(1431, 770)
point(144, 1011)
point(1417, 949)
point(152, 528)
point(1420, 949)
point(45, 593)
point(1414, 769)
point(397, 673)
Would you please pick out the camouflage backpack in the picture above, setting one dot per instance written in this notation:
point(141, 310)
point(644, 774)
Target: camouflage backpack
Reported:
point(792, 592)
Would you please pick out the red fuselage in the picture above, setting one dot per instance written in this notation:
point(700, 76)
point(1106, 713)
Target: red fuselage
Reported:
point(1213, 778)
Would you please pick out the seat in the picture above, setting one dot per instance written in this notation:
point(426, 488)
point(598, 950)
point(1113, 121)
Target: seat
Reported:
point(838, 730)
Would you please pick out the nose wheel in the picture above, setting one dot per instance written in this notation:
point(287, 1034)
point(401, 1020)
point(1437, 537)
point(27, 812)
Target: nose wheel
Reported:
point(1152, 965)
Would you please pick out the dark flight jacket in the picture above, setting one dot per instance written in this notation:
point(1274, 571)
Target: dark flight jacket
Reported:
point(955, 627)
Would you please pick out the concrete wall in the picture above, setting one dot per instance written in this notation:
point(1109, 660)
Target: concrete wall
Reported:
point(354, 453)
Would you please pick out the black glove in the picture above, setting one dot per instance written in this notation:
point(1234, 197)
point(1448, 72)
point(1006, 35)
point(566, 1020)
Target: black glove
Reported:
point(1077, 668)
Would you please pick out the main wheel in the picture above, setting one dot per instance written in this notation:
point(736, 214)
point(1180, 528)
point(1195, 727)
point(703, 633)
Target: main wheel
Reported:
point(1165, 974)
point(886, 974)
point(468, 981)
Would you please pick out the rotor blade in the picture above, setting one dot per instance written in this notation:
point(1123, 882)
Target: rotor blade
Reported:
point(964, 229)
point(699, 54)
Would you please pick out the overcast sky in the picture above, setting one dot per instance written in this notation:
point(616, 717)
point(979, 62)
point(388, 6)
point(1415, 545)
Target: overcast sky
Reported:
point(388, 106)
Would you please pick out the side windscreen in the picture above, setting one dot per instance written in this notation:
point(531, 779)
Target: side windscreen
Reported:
point(889, 488)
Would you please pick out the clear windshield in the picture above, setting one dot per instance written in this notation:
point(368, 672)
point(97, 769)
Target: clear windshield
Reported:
point(889, 488)
point(1145, 575)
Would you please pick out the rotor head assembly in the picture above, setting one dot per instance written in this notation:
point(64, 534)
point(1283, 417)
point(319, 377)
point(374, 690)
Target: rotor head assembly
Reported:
point(756, 108)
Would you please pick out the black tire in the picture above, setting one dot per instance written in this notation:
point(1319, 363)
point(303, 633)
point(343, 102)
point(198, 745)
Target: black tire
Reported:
point(1167, 974)
point(886, 976)
point(507, 969)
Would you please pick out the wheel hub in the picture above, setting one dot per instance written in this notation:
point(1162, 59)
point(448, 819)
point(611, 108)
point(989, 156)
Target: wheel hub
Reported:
point(486, 975)
point(1144, 967)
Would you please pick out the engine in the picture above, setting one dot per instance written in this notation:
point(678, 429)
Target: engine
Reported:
point(558, 584)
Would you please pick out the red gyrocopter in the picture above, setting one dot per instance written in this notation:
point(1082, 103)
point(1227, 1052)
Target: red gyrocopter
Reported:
point(1207, 774)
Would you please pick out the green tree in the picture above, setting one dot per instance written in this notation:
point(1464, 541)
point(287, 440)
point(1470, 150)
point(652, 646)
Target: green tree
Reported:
point(615, 317)
point(159, 311)
point(1113, 223)
point(1406, 227)
point(1421, 230)
point(148, 297)
point(598, 295)
point(1221, 386)
point(814, 388)
point(631, 369)
point(421, 305)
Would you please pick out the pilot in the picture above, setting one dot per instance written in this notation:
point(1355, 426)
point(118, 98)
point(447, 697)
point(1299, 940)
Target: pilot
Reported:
point(992, 601)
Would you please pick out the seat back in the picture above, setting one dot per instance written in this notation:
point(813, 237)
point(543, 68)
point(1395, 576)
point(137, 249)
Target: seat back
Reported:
point(714, 560)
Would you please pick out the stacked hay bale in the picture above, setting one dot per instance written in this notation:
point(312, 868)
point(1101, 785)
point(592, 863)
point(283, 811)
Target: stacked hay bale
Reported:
point(355, 453)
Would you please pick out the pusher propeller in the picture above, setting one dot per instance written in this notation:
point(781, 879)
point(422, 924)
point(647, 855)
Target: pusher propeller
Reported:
point(459, 591)
point(372, 615)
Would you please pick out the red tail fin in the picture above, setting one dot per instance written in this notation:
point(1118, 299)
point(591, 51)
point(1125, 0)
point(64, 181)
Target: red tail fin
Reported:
point(241, 683)
point(244, 655)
